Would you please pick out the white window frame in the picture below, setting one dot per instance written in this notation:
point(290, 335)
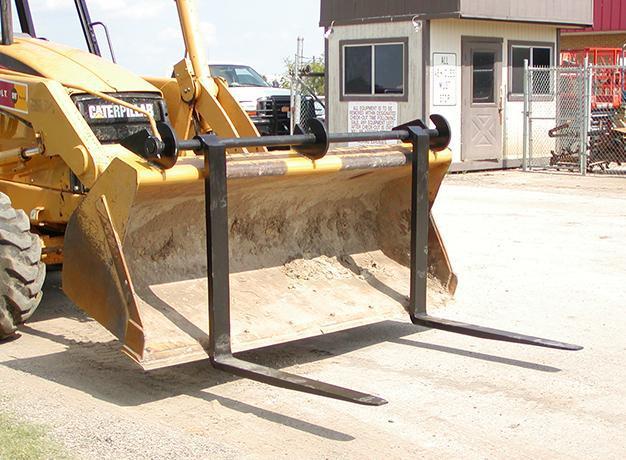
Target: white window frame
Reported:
point(531, 47)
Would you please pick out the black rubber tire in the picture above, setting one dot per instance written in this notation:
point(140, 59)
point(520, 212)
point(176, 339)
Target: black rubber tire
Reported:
point(22, 272)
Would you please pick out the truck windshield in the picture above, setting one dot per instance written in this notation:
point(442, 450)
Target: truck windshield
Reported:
point(238, 75)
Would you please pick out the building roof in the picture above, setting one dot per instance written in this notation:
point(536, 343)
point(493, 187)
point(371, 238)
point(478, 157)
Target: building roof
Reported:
point(608, 16)
point(558, 12)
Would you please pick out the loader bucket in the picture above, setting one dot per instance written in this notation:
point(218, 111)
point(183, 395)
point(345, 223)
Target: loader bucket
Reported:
point(315, 247)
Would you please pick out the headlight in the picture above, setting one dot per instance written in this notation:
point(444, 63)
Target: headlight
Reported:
point(261, 103)
point(263, 106)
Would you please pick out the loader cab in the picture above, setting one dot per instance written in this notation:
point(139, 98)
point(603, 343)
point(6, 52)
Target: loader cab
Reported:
point(52, 59)
point(79, 33)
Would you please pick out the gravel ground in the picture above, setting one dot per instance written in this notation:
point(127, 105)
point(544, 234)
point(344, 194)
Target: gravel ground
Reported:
point(536, 253)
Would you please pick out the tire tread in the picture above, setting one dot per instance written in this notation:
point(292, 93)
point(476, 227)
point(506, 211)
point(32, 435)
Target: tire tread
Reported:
point(22, 272)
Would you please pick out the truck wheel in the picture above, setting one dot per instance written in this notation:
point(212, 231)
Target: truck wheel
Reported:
point(21, 271)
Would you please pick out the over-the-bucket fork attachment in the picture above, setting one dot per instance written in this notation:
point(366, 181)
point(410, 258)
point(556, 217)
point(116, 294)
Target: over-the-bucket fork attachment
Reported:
point(314, 145)
point(420, 210)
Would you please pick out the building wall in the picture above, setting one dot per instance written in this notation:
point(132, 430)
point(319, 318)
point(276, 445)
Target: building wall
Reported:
point(338, 110)
point(587, 40)
point(446, 37)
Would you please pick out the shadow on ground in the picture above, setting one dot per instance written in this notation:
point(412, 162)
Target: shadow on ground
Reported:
point(100, 370)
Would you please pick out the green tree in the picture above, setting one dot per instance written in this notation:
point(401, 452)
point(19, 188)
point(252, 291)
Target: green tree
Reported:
point(315, 66)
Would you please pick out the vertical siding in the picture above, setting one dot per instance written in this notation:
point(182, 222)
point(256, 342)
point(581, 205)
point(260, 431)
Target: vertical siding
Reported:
point(446, 38)
point(608, 16)
point(337, 110)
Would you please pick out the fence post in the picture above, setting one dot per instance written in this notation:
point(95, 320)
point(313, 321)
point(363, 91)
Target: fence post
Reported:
point(296, 90)
point(586, 115)
point(525, 134)
point(298, 99)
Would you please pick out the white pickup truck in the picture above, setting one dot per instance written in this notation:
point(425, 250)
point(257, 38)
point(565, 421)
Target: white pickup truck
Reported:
point(268, 107)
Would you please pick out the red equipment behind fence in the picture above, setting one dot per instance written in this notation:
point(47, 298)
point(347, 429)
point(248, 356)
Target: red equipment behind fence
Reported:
point(609, 83)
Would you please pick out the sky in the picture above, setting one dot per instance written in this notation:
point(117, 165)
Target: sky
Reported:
point(146, 33)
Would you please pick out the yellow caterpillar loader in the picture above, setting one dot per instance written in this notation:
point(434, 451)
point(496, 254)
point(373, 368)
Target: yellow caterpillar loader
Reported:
point(172, 219)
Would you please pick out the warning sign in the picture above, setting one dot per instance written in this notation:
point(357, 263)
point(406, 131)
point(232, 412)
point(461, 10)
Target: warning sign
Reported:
point(14, 96)
point(444, 79)
point(372, 116)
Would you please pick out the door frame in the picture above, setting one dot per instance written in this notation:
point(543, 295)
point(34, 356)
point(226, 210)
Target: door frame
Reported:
point(499, 97)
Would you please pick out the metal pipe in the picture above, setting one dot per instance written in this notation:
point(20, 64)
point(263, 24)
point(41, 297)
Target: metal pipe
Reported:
point(7, 22)
point(297, 103)
point(242, 142)
point(586, 115)
point(298, 139)
point(31, 152)
point(525, 125)
point(107, 35)
point(10, 154)
point(313, 144)
point(399, 135)
point(20, 153)
point(274, 141)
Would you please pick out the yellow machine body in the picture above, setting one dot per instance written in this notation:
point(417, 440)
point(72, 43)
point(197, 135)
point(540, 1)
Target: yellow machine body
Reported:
point(316, 246)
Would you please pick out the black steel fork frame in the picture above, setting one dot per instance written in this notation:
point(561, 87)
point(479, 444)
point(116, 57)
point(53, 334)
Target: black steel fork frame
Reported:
point(420, 214)
point(220, 350)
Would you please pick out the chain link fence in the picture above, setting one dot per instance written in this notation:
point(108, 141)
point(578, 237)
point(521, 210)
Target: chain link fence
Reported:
point(306, 103)
point(575, 119)
point(310, 107)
